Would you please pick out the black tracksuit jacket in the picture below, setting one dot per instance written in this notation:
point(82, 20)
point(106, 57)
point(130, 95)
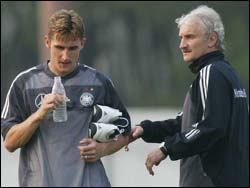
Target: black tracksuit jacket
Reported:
point(211, 135)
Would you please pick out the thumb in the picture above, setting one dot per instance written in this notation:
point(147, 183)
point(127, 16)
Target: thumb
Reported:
point(136, 133)
point(157, 163)
point(85, 141)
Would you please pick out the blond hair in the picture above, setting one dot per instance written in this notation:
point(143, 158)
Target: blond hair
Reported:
point(66, 25)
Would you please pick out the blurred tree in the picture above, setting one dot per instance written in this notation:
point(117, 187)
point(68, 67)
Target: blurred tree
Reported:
point(18, 41)
point(135, 43)
point(44, 10)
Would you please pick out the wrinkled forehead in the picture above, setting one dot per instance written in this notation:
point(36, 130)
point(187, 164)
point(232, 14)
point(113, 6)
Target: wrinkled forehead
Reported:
point(191, 27)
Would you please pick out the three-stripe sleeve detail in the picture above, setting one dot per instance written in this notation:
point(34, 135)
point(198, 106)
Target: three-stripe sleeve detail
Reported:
point(203, 83)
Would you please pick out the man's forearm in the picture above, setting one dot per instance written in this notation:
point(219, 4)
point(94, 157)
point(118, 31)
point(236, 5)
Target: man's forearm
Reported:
point(112, 147)
point(20, 134)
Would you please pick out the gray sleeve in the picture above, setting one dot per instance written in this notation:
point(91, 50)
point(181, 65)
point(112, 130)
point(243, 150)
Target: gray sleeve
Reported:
point(14, 108)
point(112, 99)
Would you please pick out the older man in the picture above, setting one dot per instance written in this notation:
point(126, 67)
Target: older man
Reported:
point(211, 135)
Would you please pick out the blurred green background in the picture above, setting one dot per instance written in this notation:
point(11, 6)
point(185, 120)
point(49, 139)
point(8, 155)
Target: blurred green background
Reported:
point(134, 43)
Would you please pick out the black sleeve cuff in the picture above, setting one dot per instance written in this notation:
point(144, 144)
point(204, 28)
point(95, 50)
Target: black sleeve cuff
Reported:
point(163, 148)
point(146, 125)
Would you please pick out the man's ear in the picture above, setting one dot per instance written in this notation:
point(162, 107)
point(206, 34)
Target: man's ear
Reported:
point(83, 42)
point(47, 41)
point(212, 40)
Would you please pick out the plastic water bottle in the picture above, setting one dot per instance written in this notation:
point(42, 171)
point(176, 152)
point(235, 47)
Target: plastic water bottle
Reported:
point(60, 113)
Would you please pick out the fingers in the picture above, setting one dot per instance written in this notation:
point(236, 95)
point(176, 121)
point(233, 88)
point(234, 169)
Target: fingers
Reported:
point(149, 165)
point(54, 98)
point(48, 104)
point(86, 141)
point(154, 158)
point(88, 158)
point(126, 148)
point(87, 149)
point(88, 152)
point(51, 101)
point(136, 132)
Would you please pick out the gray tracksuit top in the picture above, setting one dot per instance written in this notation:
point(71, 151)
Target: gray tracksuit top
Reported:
point(51, 157)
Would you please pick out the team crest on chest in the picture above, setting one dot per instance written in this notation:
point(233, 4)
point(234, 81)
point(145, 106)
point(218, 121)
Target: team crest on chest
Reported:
point(87, 99)
point(38, 100)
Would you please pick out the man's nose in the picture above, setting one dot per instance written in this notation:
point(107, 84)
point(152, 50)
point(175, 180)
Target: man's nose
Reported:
point(183, 44)
point(65, 54)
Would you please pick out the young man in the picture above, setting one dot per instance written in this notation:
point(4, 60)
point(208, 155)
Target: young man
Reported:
point(211, 136)
point(60, 154)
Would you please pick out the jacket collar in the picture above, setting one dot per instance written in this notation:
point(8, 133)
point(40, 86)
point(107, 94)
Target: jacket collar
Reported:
point(204, 60)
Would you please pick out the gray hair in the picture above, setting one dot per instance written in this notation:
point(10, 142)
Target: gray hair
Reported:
point(210, 21)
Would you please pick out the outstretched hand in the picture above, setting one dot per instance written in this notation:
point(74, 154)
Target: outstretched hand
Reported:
point(154, 158)
point(136, 132)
